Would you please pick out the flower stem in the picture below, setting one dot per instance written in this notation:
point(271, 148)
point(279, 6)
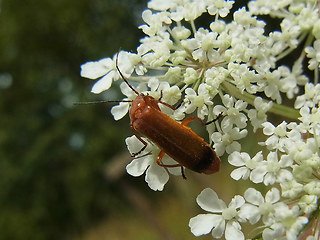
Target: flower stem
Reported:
point(281, 110)
point(289, 50)
point(285, 111)
point(193, 27)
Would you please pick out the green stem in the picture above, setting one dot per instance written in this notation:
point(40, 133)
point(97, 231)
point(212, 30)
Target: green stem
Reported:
point(285, 111)
point(316, 75)
point(308, 41)
point(193, 27)
point(289, 50)
point(278, 109)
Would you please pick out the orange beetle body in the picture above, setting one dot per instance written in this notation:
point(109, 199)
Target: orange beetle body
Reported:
point(173, 138)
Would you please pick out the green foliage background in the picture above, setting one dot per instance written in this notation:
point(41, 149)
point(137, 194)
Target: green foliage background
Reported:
point(52, 153)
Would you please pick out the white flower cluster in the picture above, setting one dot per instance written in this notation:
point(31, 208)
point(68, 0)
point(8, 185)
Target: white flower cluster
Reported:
point(233, 68)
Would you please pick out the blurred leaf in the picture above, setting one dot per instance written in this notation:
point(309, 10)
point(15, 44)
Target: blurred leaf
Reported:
point(52, 154)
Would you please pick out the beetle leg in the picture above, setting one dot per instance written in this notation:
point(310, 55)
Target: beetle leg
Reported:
point(220, 114)
point(144, 155)
point(159, 162)
point(189, 119)
point(161, 95)
point(164, 103)
point(159, 158)
point(182, 173)
point(141, 140)
point(179, 104)
point(167, 104)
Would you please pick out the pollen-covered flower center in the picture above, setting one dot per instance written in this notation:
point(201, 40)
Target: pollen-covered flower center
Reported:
point(315, 117)
point(251, 164)
point(232, 112)
point(280, 131)
point(313, 161)
point(265, 208)
point(289, 221)
point(207, 44)
point(227, 139)
point(273, 167)
point(198, 101)
point(229, 213)
point(302, 153)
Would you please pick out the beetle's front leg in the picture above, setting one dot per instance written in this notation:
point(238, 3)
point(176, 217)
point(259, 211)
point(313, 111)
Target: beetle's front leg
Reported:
point(141, 140)
point(189, 119)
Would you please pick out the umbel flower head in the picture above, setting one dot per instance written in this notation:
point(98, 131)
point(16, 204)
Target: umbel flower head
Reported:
point(234, 68)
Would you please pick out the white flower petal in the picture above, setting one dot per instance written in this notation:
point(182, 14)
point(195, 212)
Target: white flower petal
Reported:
point(219, 109)
point(103, 84)
point(237, 159)
point(190, 92)
point(94, 70)
point(273, 195)
point(240, 105)
point(236, 202)
point(227, 100)
point(272, 140)
point(218, 231)
point(253, 196)
point(277, 230)
point(134, 145)
point(153, 83)
point(268, 128)
point(208, 200)
point(120, 110)
point(203, 223)
point(234, 146)
point(250, 212)
point(161, 5)
point(156, 177)
point(239, 173)
point(257, 174)
point(233, 231)
point(172, 170)
point(269, 179)
point(138, 166)
point(284, 175)
point(226, 124)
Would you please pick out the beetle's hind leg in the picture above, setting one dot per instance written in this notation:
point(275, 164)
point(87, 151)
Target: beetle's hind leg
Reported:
point(159, 162)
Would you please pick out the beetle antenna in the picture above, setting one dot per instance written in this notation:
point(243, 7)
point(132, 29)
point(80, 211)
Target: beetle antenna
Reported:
point(103, 101)
point(124, 79)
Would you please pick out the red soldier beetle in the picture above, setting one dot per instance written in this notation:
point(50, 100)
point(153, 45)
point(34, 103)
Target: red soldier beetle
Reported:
point(174, 139)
